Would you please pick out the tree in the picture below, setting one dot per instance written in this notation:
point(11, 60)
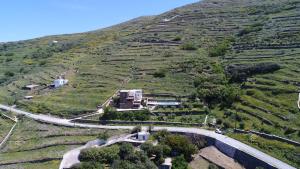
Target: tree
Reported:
point(179, 163)
point(147, 148)
point(160, 73)
point(126, 149)
point(181, 145)
point(103, 136)
point(220, 49)
point(136, 129)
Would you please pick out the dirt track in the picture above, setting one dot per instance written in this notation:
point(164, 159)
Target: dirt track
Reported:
point(213, 155)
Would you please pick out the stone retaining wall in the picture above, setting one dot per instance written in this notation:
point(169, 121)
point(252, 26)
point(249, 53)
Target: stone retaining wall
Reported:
point(135, 122)
point(269, 136)
point(241, 157)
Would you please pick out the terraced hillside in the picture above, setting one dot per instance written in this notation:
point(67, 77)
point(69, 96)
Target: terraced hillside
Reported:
point(246, 52)
point(37, 145)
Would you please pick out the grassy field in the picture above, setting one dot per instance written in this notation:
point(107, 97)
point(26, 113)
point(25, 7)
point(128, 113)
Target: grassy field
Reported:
point(284, 151)
point(5, 126)
point(33, 141)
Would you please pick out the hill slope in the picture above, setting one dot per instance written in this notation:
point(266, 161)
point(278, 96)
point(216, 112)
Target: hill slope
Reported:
point(206, 49)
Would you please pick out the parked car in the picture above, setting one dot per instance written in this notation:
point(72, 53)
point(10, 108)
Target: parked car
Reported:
point(219, 131)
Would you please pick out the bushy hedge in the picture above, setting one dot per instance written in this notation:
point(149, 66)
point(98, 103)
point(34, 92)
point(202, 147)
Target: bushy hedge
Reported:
point(103, 155)
point(139, 115)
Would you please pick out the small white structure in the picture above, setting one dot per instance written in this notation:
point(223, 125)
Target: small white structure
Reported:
point(167, 164)
point(59, 82)
point(143, 136)
point(28, 97)
point(31, 86)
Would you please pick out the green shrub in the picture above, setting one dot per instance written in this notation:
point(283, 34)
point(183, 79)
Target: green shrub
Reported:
point(252, 28)
point(104, 135)
point(8, 59)
point(136, 129)
point(9, 74)
point(43, 62)
point(181, 145)
point(160, 73)
point(177, 38)
point(220, 49)
point(9, 54)
point(179, 163)
point(189, 46)
point(126, 150)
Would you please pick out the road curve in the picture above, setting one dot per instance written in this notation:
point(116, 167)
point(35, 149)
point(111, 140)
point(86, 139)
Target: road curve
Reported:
point(229, 141)
point(72, 157)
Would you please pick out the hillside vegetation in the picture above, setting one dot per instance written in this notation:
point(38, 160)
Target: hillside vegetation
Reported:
point(240, 58)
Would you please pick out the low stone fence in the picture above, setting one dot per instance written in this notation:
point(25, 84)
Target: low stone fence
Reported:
point(180, 113)
point(7, 136)
point(135, 122)
point(269, 136)
point(7, 117)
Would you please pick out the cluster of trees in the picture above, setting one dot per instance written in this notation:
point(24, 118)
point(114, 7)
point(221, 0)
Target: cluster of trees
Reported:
point(117, 157)
point(214, 91)
point(46, 52)
point(112, 114)
point(179, 144)
point(124, 156)
point(240, 73)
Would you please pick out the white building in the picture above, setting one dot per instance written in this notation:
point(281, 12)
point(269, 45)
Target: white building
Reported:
point(167, 164)
point(130, 99)
point(143, 136)
point(59, 82)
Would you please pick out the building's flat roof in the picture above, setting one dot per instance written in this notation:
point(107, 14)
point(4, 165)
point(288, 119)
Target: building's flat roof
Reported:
point(124, 90)
point(143, 133)
point(28, 97)
point(168, 161)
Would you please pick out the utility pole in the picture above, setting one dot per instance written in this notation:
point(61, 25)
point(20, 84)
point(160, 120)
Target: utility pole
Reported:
point(235, 120)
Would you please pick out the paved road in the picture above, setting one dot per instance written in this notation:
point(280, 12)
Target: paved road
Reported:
point(72, 157)
point(232, 142)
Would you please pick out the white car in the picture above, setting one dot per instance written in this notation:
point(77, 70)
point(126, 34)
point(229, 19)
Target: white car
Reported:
point(219, 131)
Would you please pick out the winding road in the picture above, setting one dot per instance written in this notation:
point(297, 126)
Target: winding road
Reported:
point(232, 142)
